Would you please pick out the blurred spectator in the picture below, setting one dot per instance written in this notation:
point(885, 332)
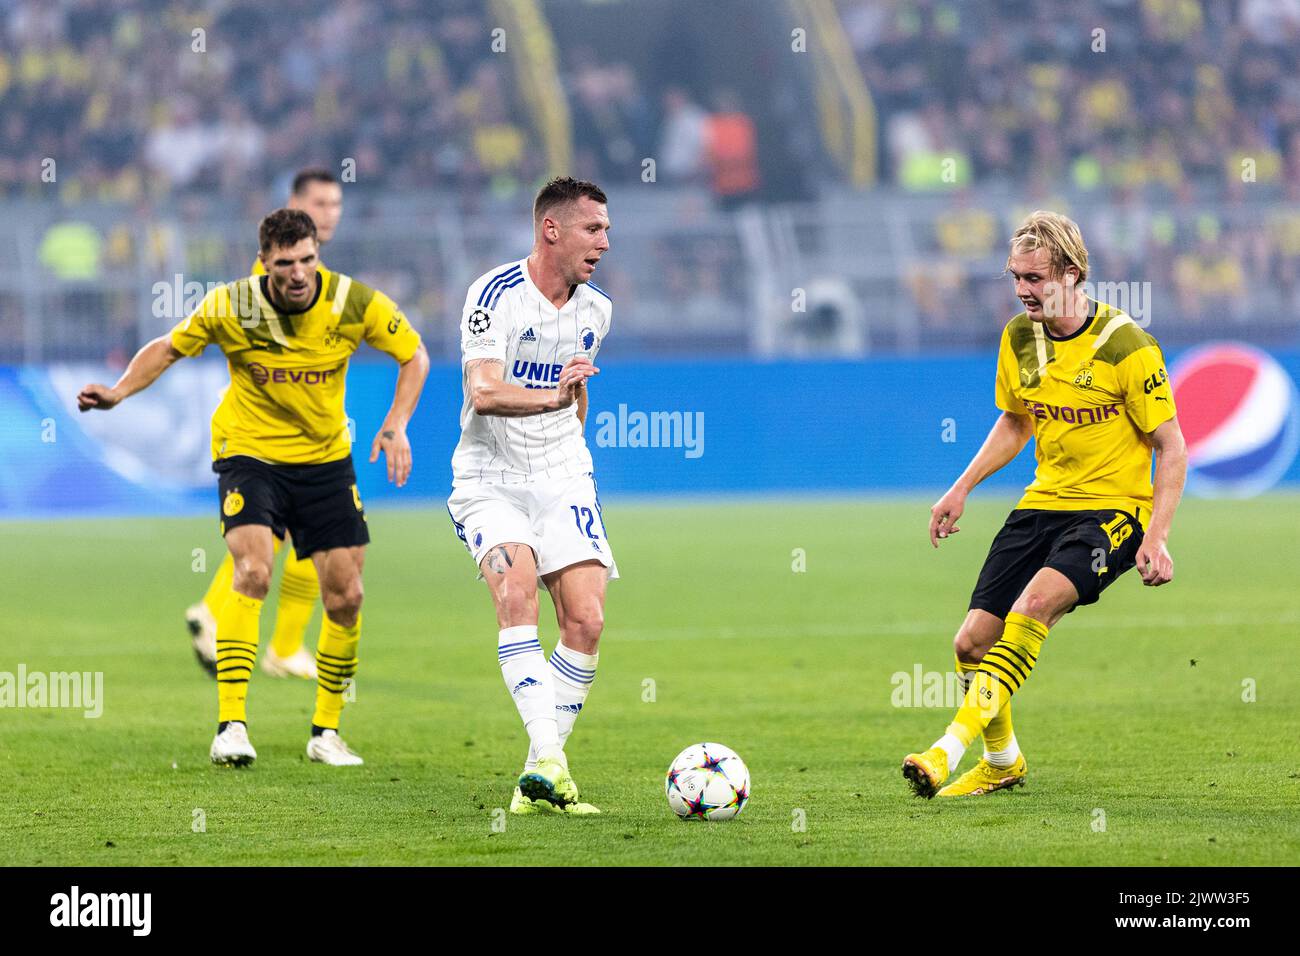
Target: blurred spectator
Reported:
point(682, 137)
point(731, 149)
point(1208, 279)
point(71, 251)
point(180, 146)
point(1272, 21)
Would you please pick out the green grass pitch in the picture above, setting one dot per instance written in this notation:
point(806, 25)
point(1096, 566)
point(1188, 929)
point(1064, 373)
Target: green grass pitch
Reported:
point(1136, 756)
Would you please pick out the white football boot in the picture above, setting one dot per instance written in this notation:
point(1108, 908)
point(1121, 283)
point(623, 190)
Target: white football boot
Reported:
point(231, 747)
point(329, 748)
point(203, 636)
point(301, 663)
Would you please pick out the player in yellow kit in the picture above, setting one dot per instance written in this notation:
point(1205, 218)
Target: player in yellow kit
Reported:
point(1090, 386)
point(282, 451)
point(316, 191)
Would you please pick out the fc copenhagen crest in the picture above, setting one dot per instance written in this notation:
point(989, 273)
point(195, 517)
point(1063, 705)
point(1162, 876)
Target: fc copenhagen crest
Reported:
point(233, 504)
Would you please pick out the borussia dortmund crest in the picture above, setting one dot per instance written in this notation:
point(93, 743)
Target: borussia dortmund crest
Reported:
point(1084, 378)
point(233, 504)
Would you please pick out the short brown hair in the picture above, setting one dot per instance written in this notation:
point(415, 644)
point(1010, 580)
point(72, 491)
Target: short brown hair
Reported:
point(311, 174)
point(284, 228)
point(563, 190)
point(1059, 235)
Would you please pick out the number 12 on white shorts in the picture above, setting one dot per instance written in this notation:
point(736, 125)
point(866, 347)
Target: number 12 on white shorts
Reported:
point(559, 518)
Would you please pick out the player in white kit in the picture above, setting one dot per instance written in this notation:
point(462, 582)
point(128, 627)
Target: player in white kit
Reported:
point(524, 499)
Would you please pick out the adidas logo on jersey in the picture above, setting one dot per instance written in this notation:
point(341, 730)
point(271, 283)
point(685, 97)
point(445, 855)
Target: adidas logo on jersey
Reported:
point(528, 336)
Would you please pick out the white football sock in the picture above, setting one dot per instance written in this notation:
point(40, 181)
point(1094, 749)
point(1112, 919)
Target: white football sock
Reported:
point(953, 747)
point(572, 673)
point(523, 667)
point(1002, 759)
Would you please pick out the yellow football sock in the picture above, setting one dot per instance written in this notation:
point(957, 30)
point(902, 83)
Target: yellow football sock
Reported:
point(236, 652)
point(219, 586)
point(299, 591)
point(1005, 666)
point(336, 665)
point(997, 735)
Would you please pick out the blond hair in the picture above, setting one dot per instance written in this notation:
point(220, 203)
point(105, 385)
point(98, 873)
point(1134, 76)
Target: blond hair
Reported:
point(1059, 235)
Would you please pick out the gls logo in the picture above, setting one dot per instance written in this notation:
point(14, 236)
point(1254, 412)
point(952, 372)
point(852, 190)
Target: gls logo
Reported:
point(103, 909)
point(1155, 381)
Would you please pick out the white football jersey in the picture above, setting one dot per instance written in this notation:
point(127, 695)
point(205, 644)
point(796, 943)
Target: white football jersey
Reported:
point(507, 318)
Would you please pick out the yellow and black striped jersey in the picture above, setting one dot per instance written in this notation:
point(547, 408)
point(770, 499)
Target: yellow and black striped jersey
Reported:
point(287, 369)
point(1093, 397)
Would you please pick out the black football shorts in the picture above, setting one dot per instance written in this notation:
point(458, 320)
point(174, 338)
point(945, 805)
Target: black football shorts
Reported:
point(1091, 548)
point(317, 504)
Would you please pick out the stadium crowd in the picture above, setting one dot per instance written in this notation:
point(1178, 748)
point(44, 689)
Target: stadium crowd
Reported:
point(149, 98)
point(146, 97)
point(1120, 93)
point(1178, 114)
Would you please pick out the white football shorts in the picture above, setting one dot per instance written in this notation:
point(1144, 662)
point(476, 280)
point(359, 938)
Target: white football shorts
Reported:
point(559, 518)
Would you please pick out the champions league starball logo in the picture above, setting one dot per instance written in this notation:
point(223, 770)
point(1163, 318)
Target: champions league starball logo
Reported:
point(1240, 415)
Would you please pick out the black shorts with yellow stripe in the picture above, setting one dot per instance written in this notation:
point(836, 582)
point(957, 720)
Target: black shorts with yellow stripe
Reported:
point(1091, 548)
point(318, 505)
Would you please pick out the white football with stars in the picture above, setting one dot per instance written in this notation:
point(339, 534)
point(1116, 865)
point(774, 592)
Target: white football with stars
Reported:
point(707, 782)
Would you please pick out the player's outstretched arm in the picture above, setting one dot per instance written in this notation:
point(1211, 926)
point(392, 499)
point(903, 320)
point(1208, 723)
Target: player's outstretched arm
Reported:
point(1154, 562)
point(1005, 440)
point(392, 438)
point(150, 362)
point(492, 395)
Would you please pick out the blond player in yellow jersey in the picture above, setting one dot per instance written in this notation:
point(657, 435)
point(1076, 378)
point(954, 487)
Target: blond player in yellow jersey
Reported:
point(282, 451)
point(316, 191)
point(1090, 387)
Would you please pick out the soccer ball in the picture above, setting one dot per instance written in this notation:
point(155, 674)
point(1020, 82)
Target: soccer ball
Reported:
point(707, 782)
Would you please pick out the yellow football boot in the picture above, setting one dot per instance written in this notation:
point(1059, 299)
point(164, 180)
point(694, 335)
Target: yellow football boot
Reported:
point(521, 805)
point(550, 781)
point(926, 771)
point(984, 778)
